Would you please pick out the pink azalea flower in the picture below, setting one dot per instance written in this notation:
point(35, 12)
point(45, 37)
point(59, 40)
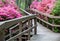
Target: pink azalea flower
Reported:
point(45, 6)
point(34, 4)
point(48, 11)
point(9, 11)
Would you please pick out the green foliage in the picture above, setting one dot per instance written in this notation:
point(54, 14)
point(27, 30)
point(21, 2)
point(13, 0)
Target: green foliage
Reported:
point(3, 0)
point(23, 3)
point(56, 12)
point(56, 9)
point(56, 29)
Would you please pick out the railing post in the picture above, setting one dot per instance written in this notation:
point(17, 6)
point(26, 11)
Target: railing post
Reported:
point(20, 28)
point(35, 23)
point(52, 23)
point(29, 30)
point(31, 24)
point(2, 33)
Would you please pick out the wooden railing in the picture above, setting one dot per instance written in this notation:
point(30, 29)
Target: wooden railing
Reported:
point(21, 23)
point(45, 18)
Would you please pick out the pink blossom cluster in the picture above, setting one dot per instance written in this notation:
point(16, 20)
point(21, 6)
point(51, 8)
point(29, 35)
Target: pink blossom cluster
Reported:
point(8, 10)
point(44, 6)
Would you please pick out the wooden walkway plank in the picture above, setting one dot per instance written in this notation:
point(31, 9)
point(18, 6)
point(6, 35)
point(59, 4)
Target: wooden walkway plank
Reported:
point(44, 34)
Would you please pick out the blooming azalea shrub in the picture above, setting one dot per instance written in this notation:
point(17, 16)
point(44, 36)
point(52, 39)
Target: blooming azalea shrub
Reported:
point(9, 10)
point(44, 6)
point(50, 7)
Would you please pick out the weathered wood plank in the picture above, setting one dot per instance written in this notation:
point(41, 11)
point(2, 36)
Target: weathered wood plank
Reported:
point(45, 14)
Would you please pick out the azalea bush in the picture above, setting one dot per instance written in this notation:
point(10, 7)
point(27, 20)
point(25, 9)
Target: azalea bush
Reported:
point(9, 10)
point(51, 7)
point(44, 6)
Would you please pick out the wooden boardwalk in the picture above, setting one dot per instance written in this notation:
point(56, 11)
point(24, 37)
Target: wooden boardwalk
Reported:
point(45, 34)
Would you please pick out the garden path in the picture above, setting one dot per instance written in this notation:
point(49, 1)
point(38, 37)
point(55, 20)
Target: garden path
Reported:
point(44, 34)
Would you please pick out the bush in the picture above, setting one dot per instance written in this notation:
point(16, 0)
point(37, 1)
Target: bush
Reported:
point(8, 10)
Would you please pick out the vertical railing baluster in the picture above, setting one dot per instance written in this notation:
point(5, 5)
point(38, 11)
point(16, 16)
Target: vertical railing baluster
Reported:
point(52, 23)
point(20, 30)
point(29, 30)
point(35, 23)
point(2, 36)
point(31, 24)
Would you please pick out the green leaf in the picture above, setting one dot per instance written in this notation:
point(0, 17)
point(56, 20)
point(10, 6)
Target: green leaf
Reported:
point(3, 0)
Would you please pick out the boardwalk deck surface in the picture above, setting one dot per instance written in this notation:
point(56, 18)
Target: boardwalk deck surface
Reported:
point(45, 34)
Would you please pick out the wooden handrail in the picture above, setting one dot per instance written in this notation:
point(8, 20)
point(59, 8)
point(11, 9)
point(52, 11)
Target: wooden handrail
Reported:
point(7, 24)
point(48, 23)
point(21, 33)
point(45, 14)
point(14, 21)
